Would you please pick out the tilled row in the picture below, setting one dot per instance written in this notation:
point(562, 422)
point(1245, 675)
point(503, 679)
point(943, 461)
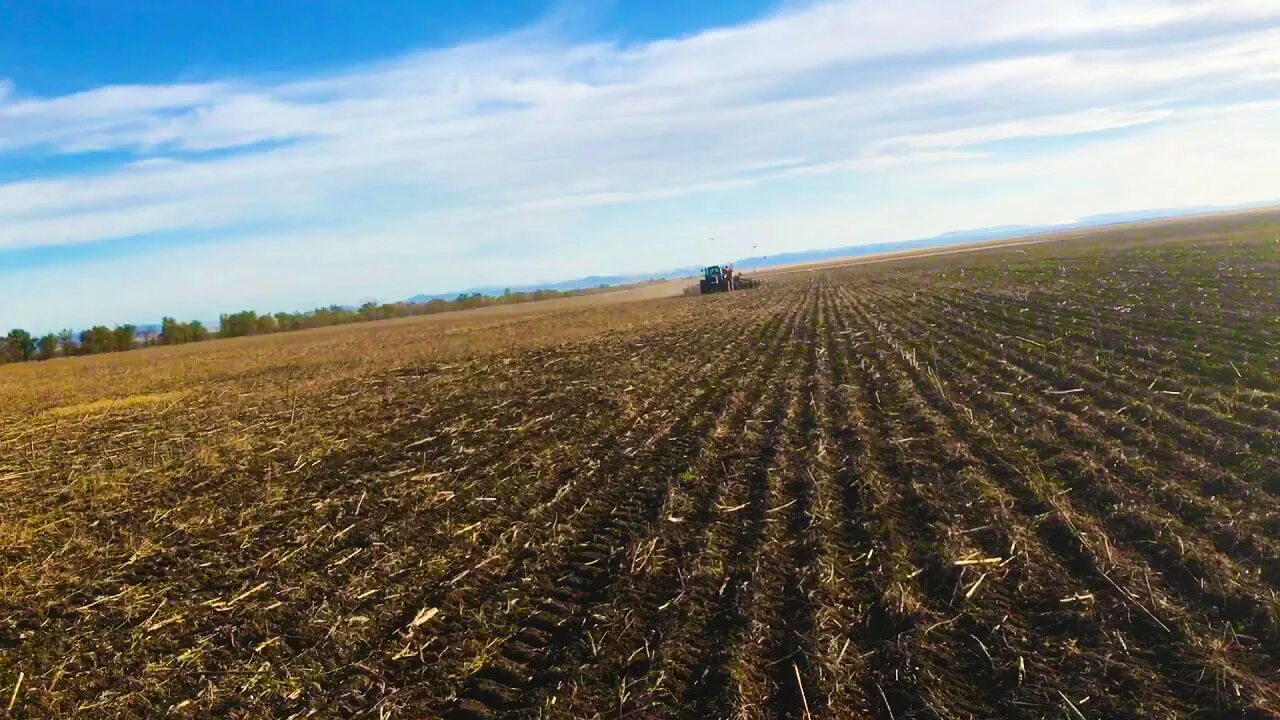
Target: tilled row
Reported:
point(1023, 594)
point(558, 625)
point(838, 495)
point(1175, 634)
point(326, 559)
point(1138, 382)
point(1236, 517)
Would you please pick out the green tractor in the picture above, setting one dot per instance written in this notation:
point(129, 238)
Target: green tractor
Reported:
point(722, 278)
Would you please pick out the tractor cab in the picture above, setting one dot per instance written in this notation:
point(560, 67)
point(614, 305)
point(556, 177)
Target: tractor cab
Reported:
point(716, 278)
point(722, 278)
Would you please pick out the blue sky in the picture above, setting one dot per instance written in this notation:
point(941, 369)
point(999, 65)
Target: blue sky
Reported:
point(193, 157)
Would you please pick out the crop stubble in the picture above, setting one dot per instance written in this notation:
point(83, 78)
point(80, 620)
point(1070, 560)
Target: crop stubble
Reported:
point(1031, 483)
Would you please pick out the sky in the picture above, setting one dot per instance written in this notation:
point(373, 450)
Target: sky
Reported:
point(188, 158)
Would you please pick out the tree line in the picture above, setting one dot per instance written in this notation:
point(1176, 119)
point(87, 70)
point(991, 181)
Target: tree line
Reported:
point(21, 346)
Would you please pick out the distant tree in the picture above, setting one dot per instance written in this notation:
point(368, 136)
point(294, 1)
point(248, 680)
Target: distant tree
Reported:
point(97, 339)
point(47, 347)
point(19, 345)
point(238, 324)
point(123, 337)
point(67, 340)
point(171, 332)
point(469, 301)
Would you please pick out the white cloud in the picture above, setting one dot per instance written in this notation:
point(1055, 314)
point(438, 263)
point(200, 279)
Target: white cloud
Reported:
point(515, 141)
point(1087, 121)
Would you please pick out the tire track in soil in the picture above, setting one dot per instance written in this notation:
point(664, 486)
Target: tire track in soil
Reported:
point(652, 608)
point(772, 660)
point(721, 652)
point(532, 660)
point(215, 634)
point(678, 667)
point(231, 627)
point(949, 676)
point(496, 556)
point(868, 526)
point(302, 643)
point(846, 544)
point(1167, 638)
point(795, 691)
point(871, 499)
point(355, 540)
point(673, 596)
point(487, 586)
point(640, 656)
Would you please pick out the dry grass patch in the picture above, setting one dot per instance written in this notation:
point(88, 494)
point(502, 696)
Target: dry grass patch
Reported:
point(109, 404)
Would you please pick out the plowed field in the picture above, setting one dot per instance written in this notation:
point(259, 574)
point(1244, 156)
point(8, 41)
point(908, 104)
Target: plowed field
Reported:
point(1039, 482)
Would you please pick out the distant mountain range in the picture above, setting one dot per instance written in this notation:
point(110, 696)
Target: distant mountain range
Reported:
point(806, 256)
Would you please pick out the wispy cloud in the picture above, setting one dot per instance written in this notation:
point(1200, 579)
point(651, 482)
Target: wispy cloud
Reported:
point(428, 151)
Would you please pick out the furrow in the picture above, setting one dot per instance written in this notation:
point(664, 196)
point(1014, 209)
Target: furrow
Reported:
point(509, 681)
point(1067, 534)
